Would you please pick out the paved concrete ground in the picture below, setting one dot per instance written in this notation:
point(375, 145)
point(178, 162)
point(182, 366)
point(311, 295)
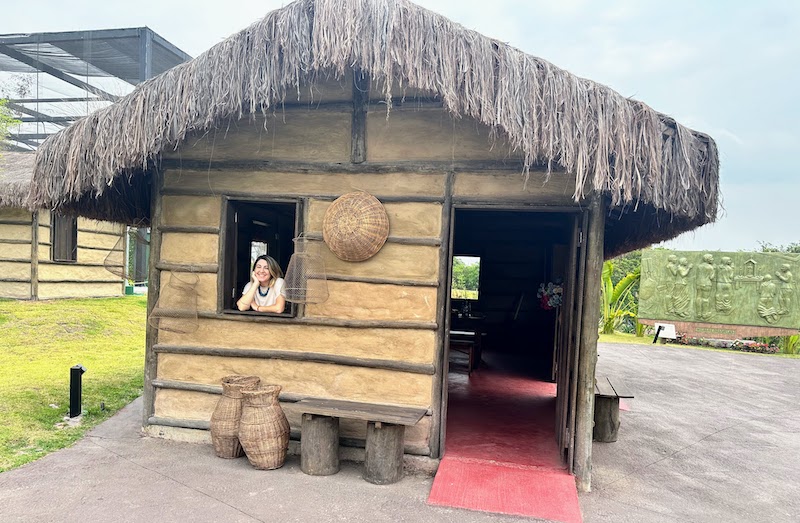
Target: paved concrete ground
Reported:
point(710, 437)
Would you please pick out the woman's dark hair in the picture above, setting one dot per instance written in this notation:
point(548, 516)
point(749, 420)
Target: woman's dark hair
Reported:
point(274, 268)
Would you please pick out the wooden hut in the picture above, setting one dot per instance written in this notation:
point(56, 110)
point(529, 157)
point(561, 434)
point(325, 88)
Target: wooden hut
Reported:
point(472, 146)
point(46, 255)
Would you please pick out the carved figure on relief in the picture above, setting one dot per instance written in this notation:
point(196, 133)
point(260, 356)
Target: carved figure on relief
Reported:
point(766, 300)
point(786, 289)
point(670, 275)
point(725, 273)
point(704, 288)
point(680, 291)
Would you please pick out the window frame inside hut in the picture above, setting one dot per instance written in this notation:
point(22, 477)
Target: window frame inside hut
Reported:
point(63, 238)
point(272, 223)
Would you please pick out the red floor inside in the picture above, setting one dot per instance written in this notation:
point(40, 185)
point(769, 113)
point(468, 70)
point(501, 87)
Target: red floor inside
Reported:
point(501, 454)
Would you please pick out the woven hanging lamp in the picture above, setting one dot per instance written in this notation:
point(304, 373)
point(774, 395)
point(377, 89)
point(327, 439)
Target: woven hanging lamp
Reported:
point(305, 280)
point(176, 307)
point(355, 226)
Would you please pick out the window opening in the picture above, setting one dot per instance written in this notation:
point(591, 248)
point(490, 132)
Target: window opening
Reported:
point(64, 238)
point(254, 229)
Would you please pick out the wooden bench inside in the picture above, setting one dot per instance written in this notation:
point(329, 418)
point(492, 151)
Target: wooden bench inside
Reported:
point(606, 408)
point(319, 437)
point(468, 342)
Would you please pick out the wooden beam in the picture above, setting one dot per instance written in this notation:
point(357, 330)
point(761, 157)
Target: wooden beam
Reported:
point(402, 240)
point(189, 229)
point(358, 143)
point(15, 242)
point(416, 450)
point(429, 167)
point(437, 434)
point(260, 317)
point(315, 357)
point(209, 268)
point(379, 281)
point(153, 291)
point(248, 196)
point(587, 356)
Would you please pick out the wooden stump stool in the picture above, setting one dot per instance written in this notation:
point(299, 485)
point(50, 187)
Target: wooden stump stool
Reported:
point(606, 408)
point(319, 445)
point(383, 462)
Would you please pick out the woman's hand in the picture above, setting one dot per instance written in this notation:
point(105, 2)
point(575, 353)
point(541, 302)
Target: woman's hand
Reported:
point(254, 278)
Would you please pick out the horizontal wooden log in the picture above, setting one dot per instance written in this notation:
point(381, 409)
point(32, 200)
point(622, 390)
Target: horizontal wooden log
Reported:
point(426, 167)
point(284, 397)
point(317, 357)
point(389, 281)
point(14, 280)
point(115, 282)
point(183, 267)
point(15, 260)
point(12, 241)
point(260, 317)
point(415, 450)
point(189, 229)
point(241, 195)
point(180, 423)
point(435, 242)
point(16, 222)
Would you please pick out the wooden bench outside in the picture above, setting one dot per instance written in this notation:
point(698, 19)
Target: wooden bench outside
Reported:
point(386, 424)
point(606, 408)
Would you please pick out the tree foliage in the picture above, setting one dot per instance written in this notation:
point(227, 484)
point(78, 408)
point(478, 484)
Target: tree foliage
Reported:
point(7, 120)
point(617, 300)
point(465, 277)
point(793, 247)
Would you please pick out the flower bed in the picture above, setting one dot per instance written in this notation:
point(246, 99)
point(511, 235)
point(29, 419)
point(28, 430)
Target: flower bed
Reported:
point(741, 345)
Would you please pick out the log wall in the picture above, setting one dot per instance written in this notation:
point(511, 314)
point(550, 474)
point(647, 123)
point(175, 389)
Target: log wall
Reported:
point(379, 337)
point(15, 253)
point(87, 277)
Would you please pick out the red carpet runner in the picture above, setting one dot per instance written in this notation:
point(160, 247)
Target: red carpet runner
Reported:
point(501, 455)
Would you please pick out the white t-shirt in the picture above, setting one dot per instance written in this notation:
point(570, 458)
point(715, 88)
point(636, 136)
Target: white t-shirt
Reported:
point(272, 293)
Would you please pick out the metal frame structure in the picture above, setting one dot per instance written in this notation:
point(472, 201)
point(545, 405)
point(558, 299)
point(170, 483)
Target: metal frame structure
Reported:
point(78, 59)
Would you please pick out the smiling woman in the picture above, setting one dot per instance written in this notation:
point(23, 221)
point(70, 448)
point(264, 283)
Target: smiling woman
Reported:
point(263, 292)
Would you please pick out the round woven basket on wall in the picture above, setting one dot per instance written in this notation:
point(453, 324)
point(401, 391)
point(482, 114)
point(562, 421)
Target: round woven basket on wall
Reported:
point(355, 226)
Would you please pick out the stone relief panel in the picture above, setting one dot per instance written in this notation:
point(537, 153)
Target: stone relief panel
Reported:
point(735, 288)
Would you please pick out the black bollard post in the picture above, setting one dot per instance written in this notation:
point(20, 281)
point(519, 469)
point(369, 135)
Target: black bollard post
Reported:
point(75, 389)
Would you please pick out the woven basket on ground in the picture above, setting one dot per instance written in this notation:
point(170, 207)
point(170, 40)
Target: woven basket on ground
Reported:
point(263, 429)
point(355, 226)
point(227, 414)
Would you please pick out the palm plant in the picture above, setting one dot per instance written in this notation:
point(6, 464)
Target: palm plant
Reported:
point(616, 300)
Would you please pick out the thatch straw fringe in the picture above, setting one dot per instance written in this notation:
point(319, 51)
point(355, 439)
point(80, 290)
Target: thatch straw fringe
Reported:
point(16, 169)
point(613, 144)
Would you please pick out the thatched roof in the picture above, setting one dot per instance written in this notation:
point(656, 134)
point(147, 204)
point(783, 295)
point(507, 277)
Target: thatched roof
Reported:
point(16, 169)
point(646, 164)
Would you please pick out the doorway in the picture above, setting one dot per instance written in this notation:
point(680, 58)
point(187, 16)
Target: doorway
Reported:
point(509, 340)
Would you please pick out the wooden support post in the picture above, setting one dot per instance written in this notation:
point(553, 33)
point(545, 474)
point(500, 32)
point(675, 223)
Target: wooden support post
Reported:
point(358, 151)
point(587, 355)
point(319, 445)
point(606, 419)
point(383, 463)
point(153, 291)
point(35, 255)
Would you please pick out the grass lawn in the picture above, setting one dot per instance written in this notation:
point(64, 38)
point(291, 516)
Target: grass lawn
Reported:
point(40, 342)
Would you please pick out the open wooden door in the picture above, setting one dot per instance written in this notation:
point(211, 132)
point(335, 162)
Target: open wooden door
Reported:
point(568, 341)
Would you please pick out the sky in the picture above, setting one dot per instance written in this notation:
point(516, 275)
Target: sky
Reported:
point(727, 68)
